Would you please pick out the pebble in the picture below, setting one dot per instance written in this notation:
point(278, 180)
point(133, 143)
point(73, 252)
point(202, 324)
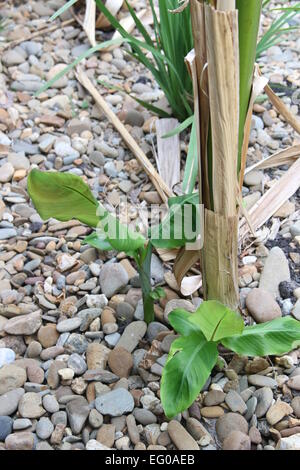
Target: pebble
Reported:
point(237, 440)
point(214, 397)
point(197, 430)
point(95, 419)
point(21, 424)
point(61, 82)
point(96, 301)
point(289, 443)
point(11, 377)
point(235, 402)
point(264, 401)
point(48, 336)
point(296, 310)
point(9, 401)
point(254, 178)
point(77, 364)
point(278, 411)
point(230, 422)
point(262, 381)
point(275, 271)
point(115, 403)
point(293, 383)
point(113, 277)
point(153, 329)
point(30, 406)
point(34, 349)
point(20, 441)
point(6, 233)
point(251, 407)
point(132, 335)
point(120, 362)
point(24, 324)
point(13, 57)
point(212, 412)
point(50, 404)
point(262, 306)
point(295, 229)
point(44, 428)
point(133, 430)
point(144, 416)
point(76, 343)
point(106, 435)
point(180, 437)
point(178, 303)
point(295, 404)
point(6, 425)
point(7, 356)
point(134, 118)
point(78, 411)
point(69, 325)
point(96, 356)
point(95, 445)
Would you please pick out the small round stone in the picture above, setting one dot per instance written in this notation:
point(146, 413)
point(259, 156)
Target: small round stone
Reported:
point(34, 349)
point(50, 403)
point(44, 428)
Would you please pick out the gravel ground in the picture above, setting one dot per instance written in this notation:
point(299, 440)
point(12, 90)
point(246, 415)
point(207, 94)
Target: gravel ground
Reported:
point(79, 368)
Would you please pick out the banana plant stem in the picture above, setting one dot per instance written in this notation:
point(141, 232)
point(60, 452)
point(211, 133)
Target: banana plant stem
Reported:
point(143, 261)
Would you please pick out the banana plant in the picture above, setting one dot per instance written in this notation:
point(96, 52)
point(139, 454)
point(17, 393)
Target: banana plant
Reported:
point(195, 353)
point(64, 196)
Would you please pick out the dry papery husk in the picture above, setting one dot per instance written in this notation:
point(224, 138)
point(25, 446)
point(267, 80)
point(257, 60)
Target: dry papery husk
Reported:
point(219, 258)
point(272, 200)
point(114, 6)
point(216, 47)
point(89, 23)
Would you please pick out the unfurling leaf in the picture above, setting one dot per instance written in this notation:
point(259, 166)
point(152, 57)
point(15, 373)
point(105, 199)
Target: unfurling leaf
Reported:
point(188, 367)
point(278, 336)
point(217, 321)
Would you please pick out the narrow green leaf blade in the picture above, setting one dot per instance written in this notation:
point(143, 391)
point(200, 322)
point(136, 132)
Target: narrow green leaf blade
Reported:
point(184, 125)
point(190, 363)
point(62, 196)
point(217, 321)
point(279, 336)
point(191, 166)
point(62, 9)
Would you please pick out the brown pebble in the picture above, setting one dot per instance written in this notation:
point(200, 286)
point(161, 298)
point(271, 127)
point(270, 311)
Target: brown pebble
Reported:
point(48, 335)
point(106, 435)
point(107, 316)
point(180, 437)
point(120, 362)
point(212, 411)
point(255, 435)
point(20, 441)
